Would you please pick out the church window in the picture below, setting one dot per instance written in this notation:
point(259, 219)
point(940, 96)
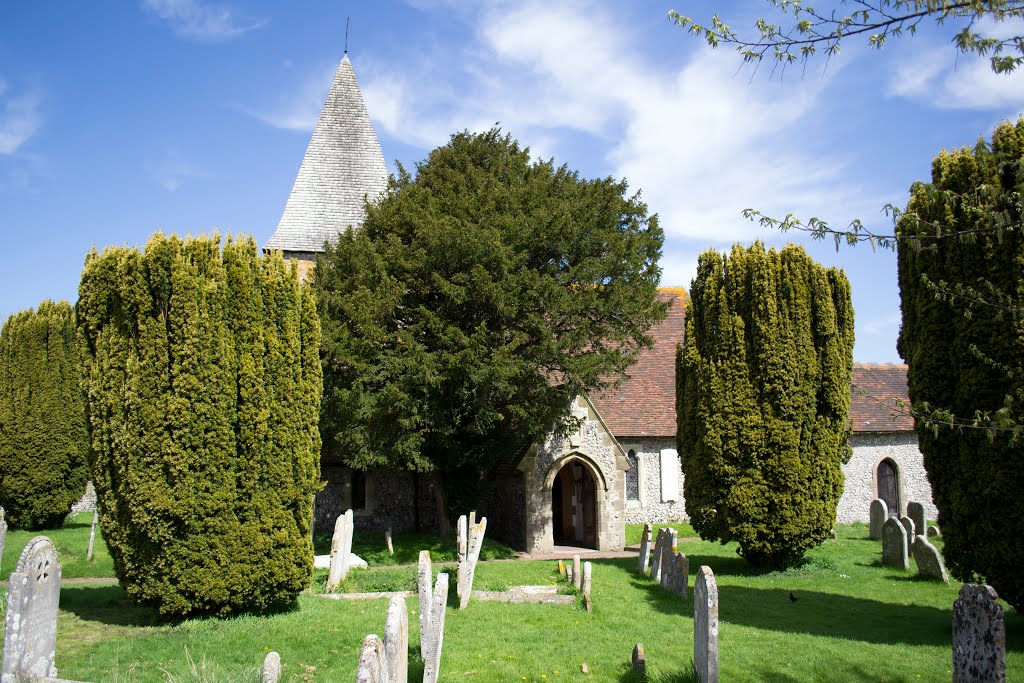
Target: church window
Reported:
point(632, 477)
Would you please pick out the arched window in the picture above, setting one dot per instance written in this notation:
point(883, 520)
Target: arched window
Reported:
point(632, 477)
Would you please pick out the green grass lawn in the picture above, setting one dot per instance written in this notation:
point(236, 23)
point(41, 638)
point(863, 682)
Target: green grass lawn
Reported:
point(72, 542)
point(853, 621)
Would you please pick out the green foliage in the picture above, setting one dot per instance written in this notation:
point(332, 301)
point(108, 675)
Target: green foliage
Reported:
point(965, 353)
point(43, 442)
point(763, 395)
point(476, 301)
point(203, 383)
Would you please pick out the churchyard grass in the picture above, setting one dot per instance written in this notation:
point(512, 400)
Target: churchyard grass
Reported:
point(635, 532)
point(71, 541)
point(853, 620)
point(371, 547)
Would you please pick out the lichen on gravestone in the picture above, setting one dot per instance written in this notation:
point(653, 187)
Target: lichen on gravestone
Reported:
point(271, 672)
point(915, 510)
point(878, 514)
point(911, 528)
point(396, 640)
point(705, 626)
point(645, 551)
point(928, 560)
point(639, 659)
point(30, 632)
point(979, 636)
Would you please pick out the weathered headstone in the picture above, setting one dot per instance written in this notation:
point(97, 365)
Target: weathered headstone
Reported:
point(373, 666)
point(639, 659)
point(3, 533)
point(911, 529)
point(341, 551)
point(432, 638)
point(271, 672)
point(668, 549)
point(979, 636)
point(30, 633)
point(878, 514)
point(680, 575)
point(585, 586)
point(645, 551)
point(915, 511)
point(657, 557)
point(929, 561)
point(387, 541)
point(462, 541)
point(472, 518)
point(425, 590)
point(894, 544)
point(705, 625)
point(467, 563)
point(568, 574)
point(396, 640)
point(933, 532)
point(561, 568)
point(92, 535)
point(577, 575)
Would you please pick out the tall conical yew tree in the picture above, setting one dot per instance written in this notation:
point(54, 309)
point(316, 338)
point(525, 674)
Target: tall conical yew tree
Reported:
point(203, 382)
point(963, 340)
point(763, 395)
point(43, 442)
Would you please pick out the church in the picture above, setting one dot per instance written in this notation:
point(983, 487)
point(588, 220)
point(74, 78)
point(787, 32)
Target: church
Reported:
point(621, 466)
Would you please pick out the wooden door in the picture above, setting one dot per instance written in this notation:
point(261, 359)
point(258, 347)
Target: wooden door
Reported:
point(888, 487)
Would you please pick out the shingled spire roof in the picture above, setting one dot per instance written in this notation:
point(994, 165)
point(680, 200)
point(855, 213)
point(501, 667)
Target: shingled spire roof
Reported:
point(343, 164)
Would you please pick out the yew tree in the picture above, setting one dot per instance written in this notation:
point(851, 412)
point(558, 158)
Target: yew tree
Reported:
point(763, 380)
point(481, 295)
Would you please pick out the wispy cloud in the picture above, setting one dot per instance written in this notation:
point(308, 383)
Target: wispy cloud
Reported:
point(299, 107)
point(886, 325)
point(195, 20)
point(172, 173)
point(20, 117)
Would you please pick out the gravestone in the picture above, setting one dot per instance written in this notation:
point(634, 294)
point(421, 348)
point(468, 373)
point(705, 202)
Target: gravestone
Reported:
point(271, 668)
point(979, 636)
point(472, 542)
point(561, 568)
point(668, 550)
point(30, 633)
point(341, 551)
point(3, 533)
point(894, 544)
point(929, 561)
point(585, 586)
point(911, 529)
point(705, 625)
point(387, 541)
point(656, 558)
point(680, 581)
point(432, 638)
point(639, 659)
point(425, 591)
point(372, 664)
point(577, 575)
point(92, 535)
point(568, 574)
point(396, 640)
point(878, 514)
point(915, 511)
point(645, 551)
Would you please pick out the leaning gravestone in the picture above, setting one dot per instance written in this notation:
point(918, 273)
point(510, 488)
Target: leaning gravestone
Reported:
point(979, 636)
point(879, 513)
point(915, 511)
point(396, 640)
point(668, 550)
point(432, 638)
point(894, 544)
point(341, 551)
point(92, 535)
point(645, 551)
point(928, 559)
point(271, 672)
point(30, 633)
point(656, 558)
point(911, 528)
point(472, 540)
point(705, 626)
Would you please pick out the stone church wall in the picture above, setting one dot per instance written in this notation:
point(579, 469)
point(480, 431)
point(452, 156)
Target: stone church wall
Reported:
point(869, 449)
point(401, 501)
point(506, 511)
point(651, 507)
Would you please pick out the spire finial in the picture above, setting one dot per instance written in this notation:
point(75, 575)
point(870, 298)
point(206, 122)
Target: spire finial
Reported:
point(347, 20)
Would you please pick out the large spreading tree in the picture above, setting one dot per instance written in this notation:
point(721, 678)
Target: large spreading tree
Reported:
point(43, 442)
point(963, 340)
point(763, 397)
point(476, 301)
point(203, 381)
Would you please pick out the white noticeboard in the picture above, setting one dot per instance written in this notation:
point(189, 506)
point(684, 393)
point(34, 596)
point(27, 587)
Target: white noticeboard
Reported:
point(669, 475)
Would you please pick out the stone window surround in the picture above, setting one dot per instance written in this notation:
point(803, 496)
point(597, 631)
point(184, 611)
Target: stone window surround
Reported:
point(637, 502)
point(901, 488)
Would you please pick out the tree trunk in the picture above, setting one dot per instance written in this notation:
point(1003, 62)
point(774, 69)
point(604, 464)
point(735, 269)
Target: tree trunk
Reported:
point(444, 527)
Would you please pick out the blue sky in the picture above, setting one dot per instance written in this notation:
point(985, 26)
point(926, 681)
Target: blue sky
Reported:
point(120, 118)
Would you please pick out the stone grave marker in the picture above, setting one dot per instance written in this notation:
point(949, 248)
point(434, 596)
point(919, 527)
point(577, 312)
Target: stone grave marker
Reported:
point(396, 640)
point(911, 528)
point(3, 533)
point(387, 541)
point(341, 551)
point(915, 511)
point(679, 583)
point(645, 551)
point(656, 558)
point(561, 568)
point(577, 574)
point(979, 636)
point(432, 638)
point(929, 561)
point(271, 672)
point(425, 591)
point(373, 666)
point(668, 549)
point(568, 574)
point(585, 586)
point(878, 514)
point(92, 535)
point(472, 542)
point(639, 659)
point(30, 632)
point(894, 544)
point(705, 626)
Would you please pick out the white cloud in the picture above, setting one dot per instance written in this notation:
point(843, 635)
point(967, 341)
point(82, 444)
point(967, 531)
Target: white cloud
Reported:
point(298, 109)
point(886, 325)
point(172, 173)
point(19, 117)
point(194, 20)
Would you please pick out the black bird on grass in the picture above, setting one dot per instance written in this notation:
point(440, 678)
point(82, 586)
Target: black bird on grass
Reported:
point(792, 598)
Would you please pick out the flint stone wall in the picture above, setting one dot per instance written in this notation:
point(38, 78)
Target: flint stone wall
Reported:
point(394, 499)
point(650, 508)
point(506, 510)
point(861, 483)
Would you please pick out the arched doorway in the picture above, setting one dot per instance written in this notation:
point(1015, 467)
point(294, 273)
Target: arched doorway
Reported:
point(574, 506)
point(887, 479)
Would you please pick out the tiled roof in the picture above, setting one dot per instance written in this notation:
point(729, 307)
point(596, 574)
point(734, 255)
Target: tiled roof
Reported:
point(876, 388)
point(645, 402)
point(343, 164)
